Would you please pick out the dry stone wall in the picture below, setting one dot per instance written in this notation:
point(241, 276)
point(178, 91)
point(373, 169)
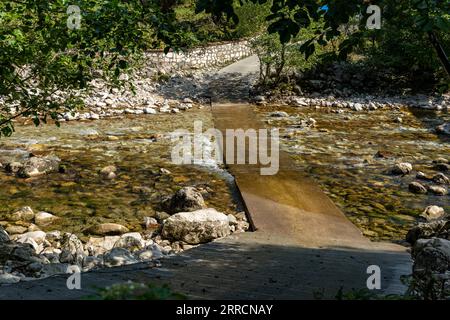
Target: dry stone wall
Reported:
point(216, 54)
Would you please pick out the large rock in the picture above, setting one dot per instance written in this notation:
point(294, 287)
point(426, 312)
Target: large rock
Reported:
point(21, 254)
point(108, 229)
point(23, 214)
point(402, 168)
point(431, 255)
point(37, 166)
point(196, 227)
point(185, 199)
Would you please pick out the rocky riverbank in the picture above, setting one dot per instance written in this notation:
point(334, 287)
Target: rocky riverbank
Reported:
point(27, 252)
point(430, 241)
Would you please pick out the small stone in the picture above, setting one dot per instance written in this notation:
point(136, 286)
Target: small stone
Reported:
point(7, 278)
point(13, 167)
point(108, 229)
point(97, 246)
point(118, 257)
point(402, 168)
point(441, 178)
point(150, 111)
point(232, 219)
point(90, 263)
point(417, 188)
point(164, 171)
point(131, 241)
point(443, 129)
point(438, 190)
point(108, 169)
point(37, 236)
point(279, 114)
point(422, 176)
point(37, 166)
point(24, 214)
point(54, 268)
point(44, 218)
point(433, 213)
point(16, 230)
point(150, 223)
point(72, 250)
point(185, 199)
point(443, 167)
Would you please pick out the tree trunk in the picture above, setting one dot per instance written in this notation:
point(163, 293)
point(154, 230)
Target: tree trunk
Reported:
point(440, 51)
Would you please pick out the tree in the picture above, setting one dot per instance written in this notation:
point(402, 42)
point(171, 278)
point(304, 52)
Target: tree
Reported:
point(290, 16)
point(46, 49)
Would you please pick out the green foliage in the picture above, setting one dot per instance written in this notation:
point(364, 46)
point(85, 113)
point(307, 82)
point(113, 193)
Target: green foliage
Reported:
point(138, 291)
point(278, 59)
point(40, 55)
point(424, 18)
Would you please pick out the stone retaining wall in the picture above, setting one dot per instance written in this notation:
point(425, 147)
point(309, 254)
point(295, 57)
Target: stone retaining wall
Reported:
point(215, 54)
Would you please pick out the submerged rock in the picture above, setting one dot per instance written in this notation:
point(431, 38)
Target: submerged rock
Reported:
point(107, 229)
point(441, 178)
point(23, 214)
point(37, 166)
point(438, 190)
point(402, 168)
point(44, 218)
point(196, 227)
point(417, 188)
point(185, 199)
point(443, 128)
point(279, 114)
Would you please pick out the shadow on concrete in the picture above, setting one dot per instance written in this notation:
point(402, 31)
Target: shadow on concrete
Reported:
point(243, 267)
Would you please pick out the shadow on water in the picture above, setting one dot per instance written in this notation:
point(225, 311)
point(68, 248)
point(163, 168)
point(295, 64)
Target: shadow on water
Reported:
point(430, 119)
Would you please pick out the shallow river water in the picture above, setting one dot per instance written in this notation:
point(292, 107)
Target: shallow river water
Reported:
point(340, 155)
point(139, 146)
